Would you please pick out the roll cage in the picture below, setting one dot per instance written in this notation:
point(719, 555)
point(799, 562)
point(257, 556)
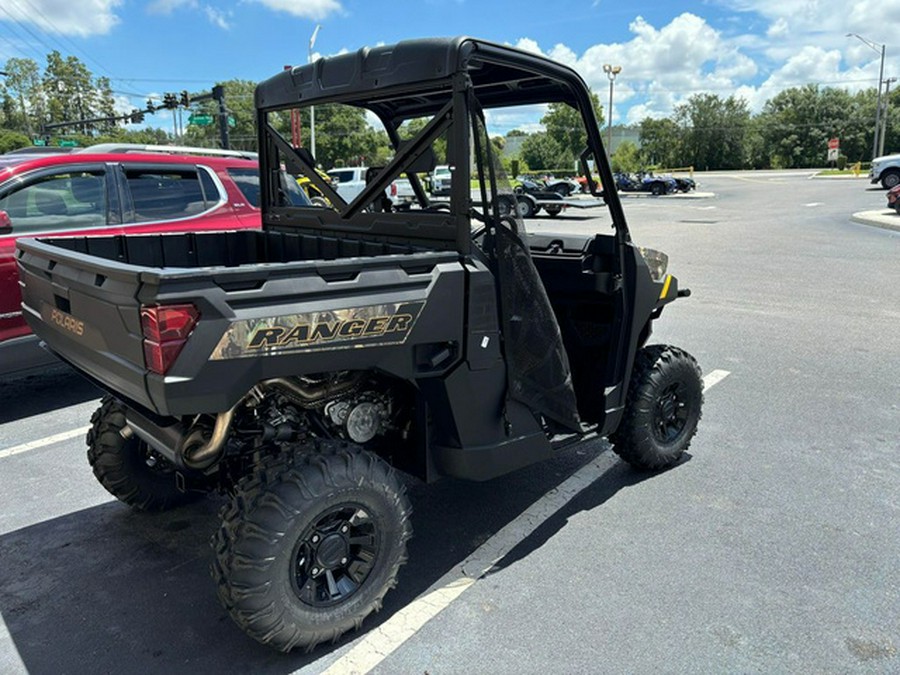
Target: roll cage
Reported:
point(450, 81)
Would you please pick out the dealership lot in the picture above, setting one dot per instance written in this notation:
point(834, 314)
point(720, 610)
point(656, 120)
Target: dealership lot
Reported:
point(774, 547)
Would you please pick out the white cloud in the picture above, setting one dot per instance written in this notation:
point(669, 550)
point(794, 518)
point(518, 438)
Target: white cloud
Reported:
point(217, 17)
point(499, 122)
point(169, 6)
point(304, 9)
point(828, 20)
point(662, 66)
point(83, 18)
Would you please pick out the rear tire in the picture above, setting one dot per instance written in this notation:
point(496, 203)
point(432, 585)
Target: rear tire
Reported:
point(890, 178)
point(658, 189)
point(525, 207)
point(127, 467)
point(662, 409)
point(310, 544)
point(553, 211)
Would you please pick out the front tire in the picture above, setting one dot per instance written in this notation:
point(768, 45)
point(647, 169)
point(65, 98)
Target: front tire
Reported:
point(662, 409)
point(310, 544)
point(890, 179)
point(127, 467)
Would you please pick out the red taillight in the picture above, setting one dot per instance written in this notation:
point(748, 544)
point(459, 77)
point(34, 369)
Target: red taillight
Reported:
point(165, 329)
point(393, 189)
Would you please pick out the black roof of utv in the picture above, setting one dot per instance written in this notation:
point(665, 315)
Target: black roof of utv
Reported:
point(501, 76)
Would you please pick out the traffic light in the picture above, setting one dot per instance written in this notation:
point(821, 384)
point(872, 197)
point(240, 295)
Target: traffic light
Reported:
point(170, 101)
point(150, 107)
point(185, 98)
point(136, 116)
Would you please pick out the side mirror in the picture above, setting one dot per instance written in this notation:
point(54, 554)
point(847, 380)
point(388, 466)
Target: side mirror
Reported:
point(5, 223)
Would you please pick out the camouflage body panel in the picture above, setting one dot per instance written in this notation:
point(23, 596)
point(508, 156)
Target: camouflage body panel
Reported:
point(352, 327)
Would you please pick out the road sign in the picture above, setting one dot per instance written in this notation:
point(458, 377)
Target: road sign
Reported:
point(231, 122)
point(68, 144)
point(200, 120)
point(39, 142)
point(834, 143)
point(833, 154)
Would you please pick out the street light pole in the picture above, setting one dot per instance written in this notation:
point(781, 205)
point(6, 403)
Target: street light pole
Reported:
point(874, 47)
point(884, 114)
point(312, 109)
point(611, 72)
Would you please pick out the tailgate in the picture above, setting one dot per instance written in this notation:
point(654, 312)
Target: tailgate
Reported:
point(85, 308)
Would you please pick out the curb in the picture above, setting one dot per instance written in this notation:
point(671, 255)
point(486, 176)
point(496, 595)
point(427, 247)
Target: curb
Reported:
point(671, 195)
point(886, 219)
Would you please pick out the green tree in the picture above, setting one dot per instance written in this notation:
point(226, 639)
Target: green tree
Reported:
point(660, 143)
point(10, 140)
point(626, 158)
point(892, 133)
point(68, 90)
point(540, 151)
point(23, 102)
point(565, 126)
point(411, 128)
point(344, 137)
point(713, 131)
point(797, 123)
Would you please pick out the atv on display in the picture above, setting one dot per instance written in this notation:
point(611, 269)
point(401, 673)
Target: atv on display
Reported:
point(298, 368)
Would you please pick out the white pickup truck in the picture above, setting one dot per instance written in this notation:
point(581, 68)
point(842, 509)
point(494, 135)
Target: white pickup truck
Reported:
point(350, 181)
point(886, 170)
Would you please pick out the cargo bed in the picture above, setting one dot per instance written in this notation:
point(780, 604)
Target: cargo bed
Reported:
point(84, 296)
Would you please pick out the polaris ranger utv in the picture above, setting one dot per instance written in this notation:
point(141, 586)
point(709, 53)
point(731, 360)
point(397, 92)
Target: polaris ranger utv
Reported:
point(298, 368)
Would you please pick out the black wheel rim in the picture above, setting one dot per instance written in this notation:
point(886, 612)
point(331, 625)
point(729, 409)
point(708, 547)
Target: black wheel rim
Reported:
point(670, 414)
point(334, 556)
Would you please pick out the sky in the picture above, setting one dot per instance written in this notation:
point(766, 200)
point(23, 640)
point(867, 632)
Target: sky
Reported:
point(667, 50)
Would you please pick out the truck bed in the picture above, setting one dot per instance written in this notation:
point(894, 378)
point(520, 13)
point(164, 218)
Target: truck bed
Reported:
point(83, 297)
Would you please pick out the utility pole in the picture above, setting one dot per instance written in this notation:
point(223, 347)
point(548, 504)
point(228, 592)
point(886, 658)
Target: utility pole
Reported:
point(218, 93)
point(884, 114)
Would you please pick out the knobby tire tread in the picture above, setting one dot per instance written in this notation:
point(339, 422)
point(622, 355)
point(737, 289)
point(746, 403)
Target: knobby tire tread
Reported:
point(246, 545)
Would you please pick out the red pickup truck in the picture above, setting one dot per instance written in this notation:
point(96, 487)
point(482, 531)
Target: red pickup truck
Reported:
point(132, 190)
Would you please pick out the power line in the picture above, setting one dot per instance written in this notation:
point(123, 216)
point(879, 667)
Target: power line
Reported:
point(24, 26)
point(63, 36)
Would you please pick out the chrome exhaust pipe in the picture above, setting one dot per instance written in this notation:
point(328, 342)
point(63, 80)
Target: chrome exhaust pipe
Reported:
point(205, 455)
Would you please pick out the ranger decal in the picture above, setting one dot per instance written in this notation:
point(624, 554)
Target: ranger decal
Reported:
point(369, 326)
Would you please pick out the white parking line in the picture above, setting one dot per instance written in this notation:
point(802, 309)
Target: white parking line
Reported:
point(381, 642)
point(43, 442)
point(714, 377)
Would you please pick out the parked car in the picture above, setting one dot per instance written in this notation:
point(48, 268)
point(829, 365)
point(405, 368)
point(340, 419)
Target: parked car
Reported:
point(316, 196)
point(441, 178)
point(564, 187)
point(102, 193)
point(350, 181)
point(645, 182)
point(893, 199)
point(684, 184)
point(886, 170)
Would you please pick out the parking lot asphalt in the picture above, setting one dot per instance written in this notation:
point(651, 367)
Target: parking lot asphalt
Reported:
point(772, 548)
